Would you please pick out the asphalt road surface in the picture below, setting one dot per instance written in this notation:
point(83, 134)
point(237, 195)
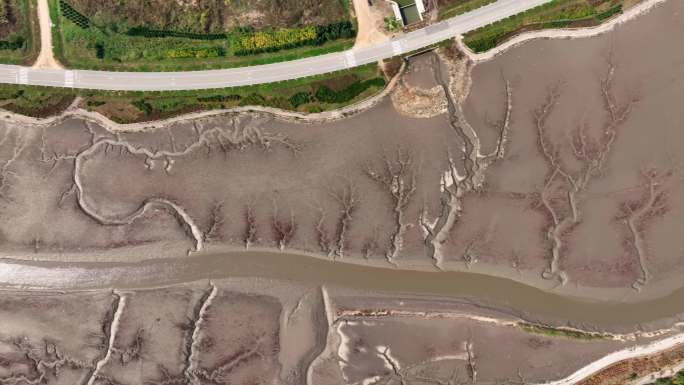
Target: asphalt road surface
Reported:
point(192, 80)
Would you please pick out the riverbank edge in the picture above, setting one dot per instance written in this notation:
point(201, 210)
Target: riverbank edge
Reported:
point(559, 33)
point(139, 256)
point(75, 112)
point(529, 277)
point(355, 108)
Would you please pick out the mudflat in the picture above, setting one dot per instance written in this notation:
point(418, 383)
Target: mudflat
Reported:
point(593, 149)
point(532, 199)
point(515, 184)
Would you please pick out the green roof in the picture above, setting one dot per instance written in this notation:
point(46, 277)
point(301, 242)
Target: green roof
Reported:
point(410, 14)
point(405, 3)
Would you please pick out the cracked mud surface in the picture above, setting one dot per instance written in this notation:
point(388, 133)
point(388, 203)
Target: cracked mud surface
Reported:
point(264, 332)
point(237, 181)
point(558, 167)
point(593, 162)
point(166, 336)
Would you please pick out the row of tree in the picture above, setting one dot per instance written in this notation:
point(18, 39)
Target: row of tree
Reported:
point(269, 41)
point(249, 43)
point(147, 32)
point(4, 12)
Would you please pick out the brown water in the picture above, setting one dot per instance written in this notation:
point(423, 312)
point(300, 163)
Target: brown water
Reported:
point(644, 70)
point(304, 269)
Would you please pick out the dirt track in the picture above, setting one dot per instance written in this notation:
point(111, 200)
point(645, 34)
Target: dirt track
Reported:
point(369, 23)
point(46, 58)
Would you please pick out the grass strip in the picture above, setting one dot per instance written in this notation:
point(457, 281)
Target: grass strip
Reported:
point(561, 332)
point(460, 7)
point(341, 89)
point(84, 44)
point(554, 14)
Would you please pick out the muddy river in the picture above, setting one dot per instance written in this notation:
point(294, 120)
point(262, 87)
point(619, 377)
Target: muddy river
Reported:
point(650, 75)
point(304, 269)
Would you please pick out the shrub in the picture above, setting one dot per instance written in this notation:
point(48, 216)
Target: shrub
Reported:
point(4, 12)
point(147, 32)
point(249, 42)
point(610, 12)
point(278, 102)
point(143, 106)
point(556, 24)
point(391, 24)
point(73, 15)
point(334, 31)
point(483, 44)
point(191, 52)
point(268, 41)
point(219, 98)
point(171, 104)
point(327, 95)
point(99, 50)
point(253, 100)
point(12, 44)
point(299, 98)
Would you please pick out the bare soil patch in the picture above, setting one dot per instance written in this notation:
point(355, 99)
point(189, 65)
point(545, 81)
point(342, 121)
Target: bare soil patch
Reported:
point(214, 16)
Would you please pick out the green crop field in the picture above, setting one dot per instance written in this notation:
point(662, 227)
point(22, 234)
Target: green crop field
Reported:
point(138, 37)
point(19, 35)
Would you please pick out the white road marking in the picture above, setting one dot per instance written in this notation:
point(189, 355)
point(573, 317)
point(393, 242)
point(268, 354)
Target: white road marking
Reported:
point(397, 48)
point(350, 59)
point(147, 81)
point(23, 76)
point(69, 77)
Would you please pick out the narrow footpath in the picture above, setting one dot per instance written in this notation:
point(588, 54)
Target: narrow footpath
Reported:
point(46, 58)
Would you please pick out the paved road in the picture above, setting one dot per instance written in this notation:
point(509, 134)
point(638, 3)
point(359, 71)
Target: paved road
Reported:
point(157, 81)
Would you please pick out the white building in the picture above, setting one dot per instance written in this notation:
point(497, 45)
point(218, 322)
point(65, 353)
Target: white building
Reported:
point(408, 11)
